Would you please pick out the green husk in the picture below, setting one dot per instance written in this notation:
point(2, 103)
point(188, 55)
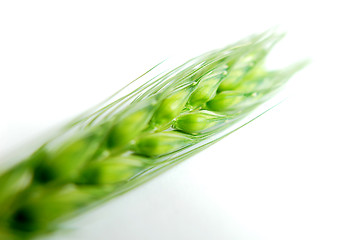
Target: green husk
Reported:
point(122, 143)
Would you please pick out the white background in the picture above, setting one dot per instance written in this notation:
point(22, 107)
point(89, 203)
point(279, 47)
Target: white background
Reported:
point(294, 173)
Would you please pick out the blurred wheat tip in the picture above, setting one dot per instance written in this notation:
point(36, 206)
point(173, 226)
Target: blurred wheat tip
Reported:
point(125, 141)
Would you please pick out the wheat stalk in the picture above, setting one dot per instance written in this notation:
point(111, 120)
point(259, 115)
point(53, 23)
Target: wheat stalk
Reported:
point(118, 146)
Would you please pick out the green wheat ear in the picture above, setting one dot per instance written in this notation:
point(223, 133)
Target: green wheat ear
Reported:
point(123, 143)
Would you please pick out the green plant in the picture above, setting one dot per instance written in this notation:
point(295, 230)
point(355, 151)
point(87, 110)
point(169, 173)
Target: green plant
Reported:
point(120, 145)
